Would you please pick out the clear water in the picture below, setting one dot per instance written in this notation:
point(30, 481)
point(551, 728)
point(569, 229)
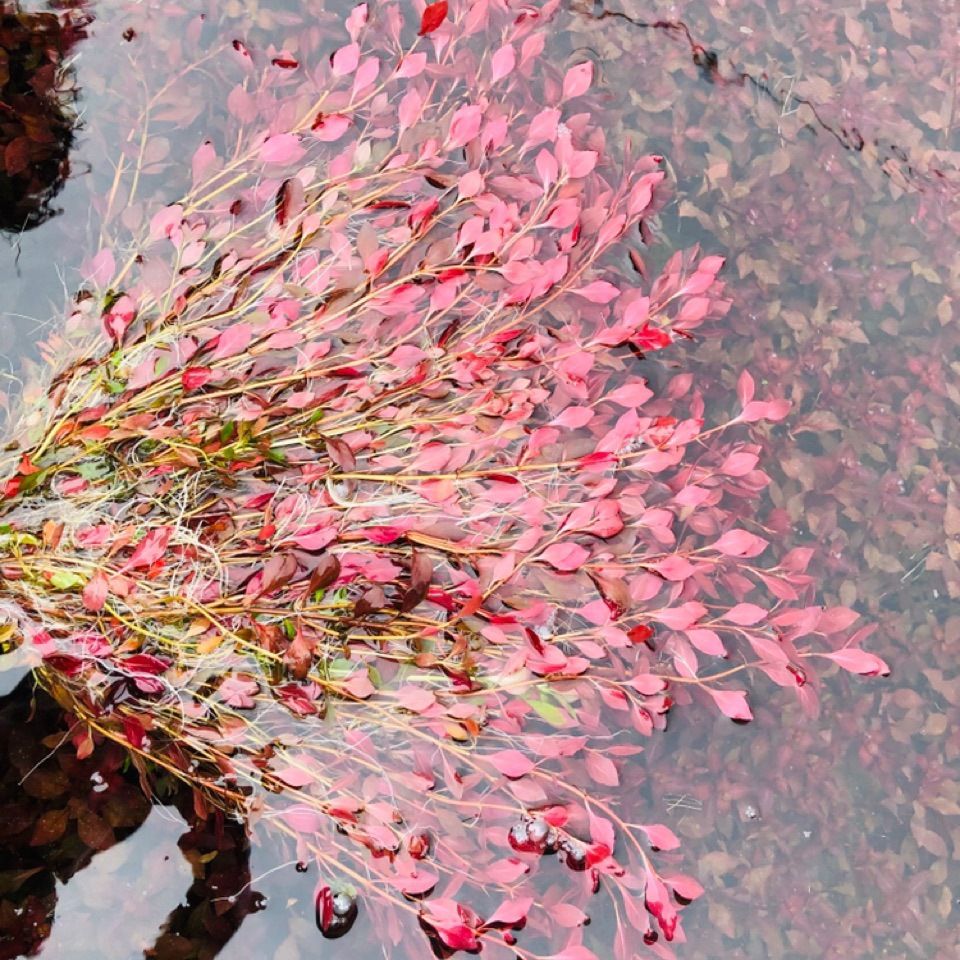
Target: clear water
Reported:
point(815, 147)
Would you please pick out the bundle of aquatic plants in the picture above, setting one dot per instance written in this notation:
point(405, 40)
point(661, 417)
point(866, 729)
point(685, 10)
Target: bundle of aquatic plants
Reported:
point(348, 498)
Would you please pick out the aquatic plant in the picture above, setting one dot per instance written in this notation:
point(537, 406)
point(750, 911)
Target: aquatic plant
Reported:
point(347, 500)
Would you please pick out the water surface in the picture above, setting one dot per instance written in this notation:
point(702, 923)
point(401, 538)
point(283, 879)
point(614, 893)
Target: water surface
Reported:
point(814, 146)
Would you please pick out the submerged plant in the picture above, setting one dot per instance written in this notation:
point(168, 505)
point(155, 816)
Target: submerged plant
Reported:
point(348, 501)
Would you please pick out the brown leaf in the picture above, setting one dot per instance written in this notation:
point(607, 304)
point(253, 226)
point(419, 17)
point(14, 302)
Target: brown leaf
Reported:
point(421, 572)
point(324, 573)
point(340, 454)
point(93, 830)
point(49, 827)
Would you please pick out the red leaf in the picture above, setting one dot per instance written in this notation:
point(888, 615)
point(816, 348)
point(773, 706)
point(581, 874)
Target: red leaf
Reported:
point(151, 548)
point(458, 936)
point(145, 663)
point(640, 633)
point(433, 16)
point(193, 378)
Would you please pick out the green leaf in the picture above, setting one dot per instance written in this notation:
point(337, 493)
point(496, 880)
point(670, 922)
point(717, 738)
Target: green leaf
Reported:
point(64, 580)
point(340, 668)
point(551, 713)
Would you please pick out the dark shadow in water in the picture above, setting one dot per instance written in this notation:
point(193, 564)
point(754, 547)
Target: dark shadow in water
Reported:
point(57, 812)
point(37, 110)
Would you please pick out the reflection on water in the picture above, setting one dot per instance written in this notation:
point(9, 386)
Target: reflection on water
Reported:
point(816, 148)
point(123, 894)
point(90, 868)
point(39, 112)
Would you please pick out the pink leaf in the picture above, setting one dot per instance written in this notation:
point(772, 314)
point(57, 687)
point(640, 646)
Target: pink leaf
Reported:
point(679, 618)
point(294, 776)
point(203, 161)
point(567, 915)
point(835, 619)
point(732, 704)
point(684, 887)
point(630, 395)
point(738, 464)
point(739, 543)
point(575, 952)
point(233, 340)
point(859, 661)
point(599, 291)
point(674, 568)
point(577, 80)
point(416, 699)
point(465, 125)
point(330, 128)
point(412, 66)
point(507, 870)
point(549, 170)
point(95, 592)
point(510, 912)
point(772, 410)
point(502, 63)
point(345, 60)
point(358, 685)
point(282, 148)
point(511, 763)
point(565, 556)
point(543, 127)
point(458, 936)
point(661, 837)
point(602, 770)
point(471, 183)
point(418, 883)
point(573, 417)
point(648, 684)
point(745, 614)
point(101, 268)
point(707, 641)
point(581, 163)
point(303, 820)
point(409, 110)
